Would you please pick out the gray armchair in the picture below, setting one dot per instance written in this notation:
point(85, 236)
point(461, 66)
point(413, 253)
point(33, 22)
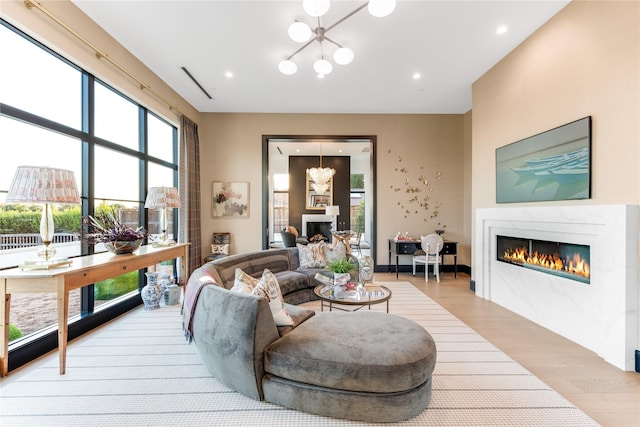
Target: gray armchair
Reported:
point(288, 239)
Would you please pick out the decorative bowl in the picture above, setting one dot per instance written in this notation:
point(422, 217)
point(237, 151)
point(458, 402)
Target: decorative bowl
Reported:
point(123, 247)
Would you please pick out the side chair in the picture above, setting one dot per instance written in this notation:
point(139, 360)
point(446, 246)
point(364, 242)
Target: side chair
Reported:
point(431, 245)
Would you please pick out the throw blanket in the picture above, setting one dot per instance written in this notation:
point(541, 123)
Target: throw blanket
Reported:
point(191, 294)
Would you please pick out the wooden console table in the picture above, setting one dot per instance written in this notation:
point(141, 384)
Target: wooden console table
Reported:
point(408, 247)
point(83, 271)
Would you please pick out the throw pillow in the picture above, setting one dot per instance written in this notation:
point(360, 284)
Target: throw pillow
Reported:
point(243, 283)
point(269, 288)
point(332, 254)
point(312, 255)
point(220, 249)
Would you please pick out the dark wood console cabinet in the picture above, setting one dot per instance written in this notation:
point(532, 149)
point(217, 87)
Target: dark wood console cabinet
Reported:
point(409, 247)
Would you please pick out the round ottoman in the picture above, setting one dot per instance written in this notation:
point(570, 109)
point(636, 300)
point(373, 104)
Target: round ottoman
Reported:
point(366, 366)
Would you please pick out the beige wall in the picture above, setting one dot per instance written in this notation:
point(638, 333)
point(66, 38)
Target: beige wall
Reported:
point(584, 61)
point(230, 149)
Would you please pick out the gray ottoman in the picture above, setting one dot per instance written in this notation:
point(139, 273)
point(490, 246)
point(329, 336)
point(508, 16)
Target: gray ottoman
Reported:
point(366, 366)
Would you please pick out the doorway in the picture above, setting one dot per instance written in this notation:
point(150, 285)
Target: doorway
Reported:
point(360, 154)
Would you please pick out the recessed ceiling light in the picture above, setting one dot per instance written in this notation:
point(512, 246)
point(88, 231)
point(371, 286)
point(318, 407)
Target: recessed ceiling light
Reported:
point(416, 76)
point(228, 74)
point(501, 29)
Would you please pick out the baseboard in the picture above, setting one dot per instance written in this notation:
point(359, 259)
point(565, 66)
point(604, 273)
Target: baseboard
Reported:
point(420, 269)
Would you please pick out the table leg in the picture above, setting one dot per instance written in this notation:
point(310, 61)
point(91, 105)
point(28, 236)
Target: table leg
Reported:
point(4, 332)
point(63, 316)
point(455, 266)
point(397, 256)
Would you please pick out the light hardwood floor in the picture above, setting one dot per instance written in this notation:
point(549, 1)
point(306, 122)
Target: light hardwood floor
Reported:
point(607, 394)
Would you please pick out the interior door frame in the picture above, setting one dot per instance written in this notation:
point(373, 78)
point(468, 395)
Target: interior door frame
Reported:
point(267, 139)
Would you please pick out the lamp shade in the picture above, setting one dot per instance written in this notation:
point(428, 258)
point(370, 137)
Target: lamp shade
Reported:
point(162, 197)
point(332, 210)
point(35, 184)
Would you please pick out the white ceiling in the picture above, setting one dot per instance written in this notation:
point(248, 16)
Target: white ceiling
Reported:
point(450, 43)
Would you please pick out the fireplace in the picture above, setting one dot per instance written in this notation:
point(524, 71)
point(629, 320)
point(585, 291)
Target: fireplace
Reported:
point(567, 260)
point(323, 228)
point(602, 316)
point(313, 224)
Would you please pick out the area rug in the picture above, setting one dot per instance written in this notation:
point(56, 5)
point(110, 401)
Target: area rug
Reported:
point(138, 370)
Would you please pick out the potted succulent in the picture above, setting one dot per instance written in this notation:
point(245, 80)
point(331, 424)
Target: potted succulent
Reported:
point(117, 237)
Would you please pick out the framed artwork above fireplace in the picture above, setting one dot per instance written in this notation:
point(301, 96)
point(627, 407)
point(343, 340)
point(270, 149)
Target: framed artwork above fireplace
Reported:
point(552, 165)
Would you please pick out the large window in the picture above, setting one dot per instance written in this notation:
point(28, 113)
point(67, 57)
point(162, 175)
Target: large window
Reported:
point(52, 113)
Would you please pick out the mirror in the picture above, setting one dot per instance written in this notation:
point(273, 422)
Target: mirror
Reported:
point(318, 201)
point(286, 196)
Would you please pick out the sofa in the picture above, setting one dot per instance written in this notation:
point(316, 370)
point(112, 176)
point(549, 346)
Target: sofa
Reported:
point(364, 365)
point(296, 283)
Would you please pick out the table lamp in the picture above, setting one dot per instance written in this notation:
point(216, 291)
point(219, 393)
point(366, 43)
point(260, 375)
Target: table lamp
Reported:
point(46, 186)
point(333, 210)
point(163, 198)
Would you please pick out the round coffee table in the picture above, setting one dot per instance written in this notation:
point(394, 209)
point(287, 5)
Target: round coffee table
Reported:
point(371, 294)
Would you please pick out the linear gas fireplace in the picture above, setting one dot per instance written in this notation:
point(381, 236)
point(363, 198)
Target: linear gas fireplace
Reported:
point(566, 260)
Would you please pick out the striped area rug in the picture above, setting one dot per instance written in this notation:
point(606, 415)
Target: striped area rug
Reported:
point(139, 371)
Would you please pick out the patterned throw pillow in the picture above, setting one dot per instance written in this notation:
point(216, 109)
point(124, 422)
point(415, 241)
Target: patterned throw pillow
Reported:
point(312, 255)
point(338, 252)
point(269, 288)
point(243, 283)
point(220, 249)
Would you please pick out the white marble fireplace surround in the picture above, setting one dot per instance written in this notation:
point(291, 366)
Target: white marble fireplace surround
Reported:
point(601, 316)
point(318, 218)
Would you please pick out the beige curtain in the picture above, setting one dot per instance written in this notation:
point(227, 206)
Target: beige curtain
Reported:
point(190, 192)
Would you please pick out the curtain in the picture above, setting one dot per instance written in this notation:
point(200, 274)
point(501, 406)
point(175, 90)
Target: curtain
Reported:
point(190, 193)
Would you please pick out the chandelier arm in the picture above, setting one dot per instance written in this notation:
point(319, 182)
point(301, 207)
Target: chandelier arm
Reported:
point(301, 49)
point(346, 17)
point(334, 42)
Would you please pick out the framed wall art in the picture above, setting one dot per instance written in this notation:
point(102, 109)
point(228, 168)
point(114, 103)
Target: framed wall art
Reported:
point(553, 165)
point(230, 199)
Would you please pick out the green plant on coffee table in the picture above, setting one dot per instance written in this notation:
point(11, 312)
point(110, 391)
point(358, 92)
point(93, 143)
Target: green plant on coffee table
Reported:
point(341, 265)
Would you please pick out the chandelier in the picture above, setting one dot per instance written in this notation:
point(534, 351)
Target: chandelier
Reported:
point(320, 176)
point(302, 33)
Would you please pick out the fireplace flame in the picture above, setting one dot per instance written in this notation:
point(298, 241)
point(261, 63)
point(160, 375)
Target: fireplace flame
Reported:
point(575, 265)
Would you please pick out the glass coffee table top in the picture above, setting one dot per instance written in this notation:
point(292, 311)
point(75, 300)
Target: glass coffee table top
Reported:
point(351, 294)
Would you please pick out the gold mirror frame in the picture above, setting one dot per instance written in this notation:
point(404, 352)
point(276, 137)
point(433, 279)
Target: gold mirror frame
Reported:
point(316, 201)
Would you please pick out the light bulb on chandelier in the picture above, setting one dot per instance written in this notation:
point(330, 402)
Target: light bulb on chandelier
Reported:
point(316, 7)
point(300, 32)
point(322, 66)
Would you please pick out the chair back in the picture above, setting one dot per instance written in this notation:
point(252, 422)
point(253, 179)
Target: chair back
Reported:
point(431, 244)
point(288, 239)
point(355, 239)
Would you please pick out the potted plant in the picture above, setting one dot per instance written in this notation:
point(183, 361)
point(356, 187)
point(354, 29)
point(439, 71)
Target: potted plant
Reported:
point(340, 267)
point(117, 237)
